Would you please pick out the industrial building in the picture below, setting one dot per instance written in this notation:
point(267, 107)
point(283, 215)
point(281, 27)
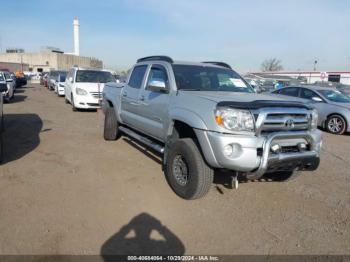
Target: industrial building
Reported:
point(312, 77)
point(51, 58)
point(14, 67)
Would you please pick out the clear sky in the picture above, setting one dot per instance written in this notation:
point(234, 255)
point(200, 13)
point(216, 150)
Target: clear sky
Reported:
point(242, 33)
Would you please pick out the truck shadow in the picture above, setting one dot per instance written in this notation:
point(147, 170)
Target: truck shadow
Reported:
point(143, 235)
point(155, 156)
point(20, 135)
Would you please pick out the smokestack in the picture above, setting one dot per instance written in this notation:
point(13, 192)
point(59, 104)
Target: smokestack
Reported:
point(76, 36)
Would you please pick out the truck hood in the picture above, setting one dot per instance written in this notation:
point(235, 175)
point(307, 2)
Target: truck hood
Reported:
point(233, 96)
point(90, 87)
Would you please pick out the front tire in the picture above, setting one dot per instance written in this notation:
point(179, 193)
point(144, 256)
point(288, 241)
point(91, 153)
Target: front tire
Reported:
point(73, 105)
point(186, 171)
point(110, 131)
point(336, 124)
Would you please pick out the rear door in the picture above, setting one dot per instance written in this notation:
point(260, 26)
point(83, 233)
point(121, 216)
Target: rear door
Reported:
point(130, 97)
point(155, 104)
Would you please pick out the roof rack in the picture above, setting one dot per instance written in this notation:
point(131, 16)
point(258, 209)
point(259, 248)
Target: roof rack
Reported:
point(156, 58)
point(218, 64)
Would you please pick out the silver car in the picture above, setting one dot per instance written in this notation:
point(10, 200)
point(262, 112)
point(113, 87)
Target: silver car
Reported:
point(333, 106)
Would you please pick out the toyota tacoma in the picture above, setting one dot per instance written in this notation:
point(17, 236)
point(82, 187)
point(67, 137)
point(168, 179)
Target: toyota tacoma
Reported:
point(203, 117)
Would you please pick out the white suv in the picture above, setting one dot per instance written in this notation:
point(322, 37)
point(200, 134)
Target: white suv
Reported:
point(83, 87)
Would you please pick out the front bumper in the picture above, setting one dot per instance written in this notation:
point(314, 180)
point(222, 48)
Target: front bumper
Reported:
point(252, 154)
point(60, 90)
point(86, 102)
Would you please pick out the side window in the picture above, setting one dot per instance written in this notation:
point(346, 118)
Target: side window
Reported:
point(290, 91)
point(137, 76)
point(158, 73)
point(308, 94)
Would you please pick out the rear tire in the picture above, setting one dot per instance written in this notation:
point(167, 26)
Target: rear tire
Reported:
point(187, 173)
point(336, 124)
point(111, 131)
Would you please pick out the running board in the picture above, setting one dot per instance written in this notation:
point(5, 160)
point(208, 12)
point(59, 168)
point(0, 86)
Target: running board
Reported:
point(142, 139)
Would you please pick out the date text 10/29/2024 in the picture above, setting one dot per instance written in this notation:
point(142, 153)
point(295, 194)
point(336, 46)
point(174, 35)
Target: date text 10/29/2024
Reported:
point(173, 258)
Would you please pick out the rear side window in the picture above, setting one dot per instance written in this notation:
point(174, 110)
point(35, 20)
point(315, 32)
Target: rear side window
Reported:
point(290, 91)
point(308, 94)
point(137, 76)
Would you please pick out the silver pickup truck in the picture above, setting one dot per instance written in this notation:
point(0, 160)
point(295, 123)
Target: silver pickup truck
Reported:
point(204, 116)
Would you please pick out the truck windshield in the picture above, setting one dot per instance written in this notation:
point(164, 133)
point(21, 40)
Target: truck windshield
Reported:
point(335, 96)
point(92, 76)
point(209, 78)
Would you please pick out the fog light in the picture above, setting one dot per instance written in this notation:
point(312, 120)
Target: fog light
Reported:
point(228, 150)
point(275, 148)
point(302, 146)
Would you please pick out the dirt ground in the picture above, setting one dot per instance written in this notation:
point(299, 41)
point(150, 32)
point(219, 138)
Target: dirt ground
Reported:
point(64, 190)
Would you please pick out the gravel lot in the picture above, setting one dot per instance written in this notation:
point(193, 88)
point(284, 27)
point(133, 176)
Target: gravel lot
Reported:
point(64, 190)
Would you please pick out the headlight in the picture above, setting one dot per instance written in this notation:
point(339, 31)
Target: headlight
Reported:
point(234, 119)
point(80, 91)
point(314, 119)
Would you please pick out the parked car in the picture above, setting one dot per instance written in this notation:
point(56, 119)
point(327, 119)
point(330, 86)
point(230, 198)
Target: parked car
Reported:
point(6, 79)
point(333, 107)
point(345, 89)
point(21, 79)
point(60, 83)
point(42, 78)
point(204, 116)
point(83, 87)
point(52, 78)
point(15, 81)
point(1, 122)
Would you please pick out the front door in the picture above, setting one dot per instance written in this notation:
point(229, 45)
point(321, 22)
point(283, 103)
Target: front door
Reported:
point(155, 103)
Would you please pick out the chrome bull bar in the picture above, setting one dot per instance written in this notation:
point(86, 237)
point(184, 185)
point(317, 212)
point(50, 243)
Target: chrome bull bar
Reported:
point(267, 158)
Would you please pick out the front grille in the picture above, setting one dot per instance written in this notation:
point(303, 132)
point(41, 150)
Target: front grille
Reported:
point(282, 120)
point(96, 94)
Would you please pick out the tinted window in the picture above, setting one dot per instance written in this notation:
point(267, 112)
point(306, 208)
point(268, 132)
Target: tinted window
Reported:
point(308, 94)
point(137, 76)
point(93, 76)
point(7, 76)
point(158, 73)
point(62, 78)
point(2, 77)
point(290, 91)
point(208, 78)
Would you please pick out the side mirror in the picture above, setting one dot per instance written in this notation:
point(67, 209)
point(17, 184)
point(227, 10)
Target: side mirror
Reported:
point(70, 79)
point(157, 85)
point(316, 99)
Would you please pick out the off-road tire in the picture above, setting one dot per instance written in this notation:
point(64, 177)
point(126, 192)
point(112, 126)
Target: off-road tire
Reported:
point(340, 118)
point(200, 175)
point(111, 131)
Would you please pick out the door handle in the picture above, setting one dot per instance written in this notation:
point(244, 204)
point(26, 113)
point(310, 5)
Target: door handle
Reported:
point(142, 98)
